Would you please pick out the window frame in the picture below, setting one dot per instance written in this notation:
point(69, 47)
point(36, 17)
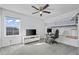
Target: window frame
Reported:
point(5, 27)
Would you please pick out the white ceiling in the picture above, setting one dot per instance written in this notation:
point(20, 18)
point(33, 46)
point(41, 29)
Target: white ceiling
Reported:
point(56, 9)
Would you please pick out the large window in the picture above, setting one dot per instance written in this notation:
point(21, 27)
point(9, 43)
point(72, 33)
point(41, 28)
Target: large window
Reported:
point(12, 25)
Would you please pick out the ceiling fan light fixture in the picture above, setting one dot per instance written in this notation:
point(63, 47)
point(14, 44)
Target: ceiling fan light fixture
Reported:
point(40, 12)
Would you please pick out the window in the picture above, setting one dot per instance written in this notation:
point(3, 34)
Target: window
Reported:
point(12, 25)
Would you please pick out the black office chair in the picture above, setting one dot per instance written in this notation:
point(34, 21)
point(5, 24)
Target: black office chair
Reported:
point(55, 36)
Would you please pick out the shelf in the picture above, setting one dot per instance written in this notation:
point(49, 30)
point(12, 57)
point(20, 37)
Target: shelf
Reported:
point(72, 37)
point(63, 26)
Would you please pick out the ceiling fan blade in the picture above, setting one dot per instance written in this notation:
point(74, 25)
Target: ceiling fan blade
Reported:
point(35, 8)
point(45, 6)
point(47, 12)
point(35, 12)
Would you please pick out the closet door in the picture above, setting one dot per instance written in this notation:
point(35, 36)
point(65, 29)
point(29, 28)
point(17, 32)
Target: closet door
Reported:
point(78, 34)
point(0, 28)
point(0, 35)
point(0, 38)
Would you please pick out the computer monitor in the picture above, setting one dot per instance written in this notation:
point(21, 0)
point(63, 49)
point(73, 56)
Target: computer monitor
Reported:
point(49, 30)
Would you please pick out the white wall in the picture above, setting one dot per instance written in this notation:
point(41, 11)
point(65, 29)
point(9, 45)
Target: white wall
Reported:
point(61, 20)
point(78, 34)
point(0, 26)
point(62, 17)
point(67, 31)
point(65, 19)
point(27, 22)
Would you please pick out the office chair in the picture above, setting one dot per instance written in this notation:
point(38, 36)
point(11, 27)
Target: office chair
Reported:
point(55, 36)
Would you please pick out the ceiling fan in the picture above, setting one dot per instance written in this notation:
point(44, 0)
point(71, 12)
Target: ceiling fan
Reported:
point(41, 9)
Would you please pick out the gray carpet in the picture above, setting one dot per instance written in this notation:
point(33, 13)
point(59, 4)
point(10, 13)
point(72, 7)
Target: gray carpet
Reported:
point(40, 49)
